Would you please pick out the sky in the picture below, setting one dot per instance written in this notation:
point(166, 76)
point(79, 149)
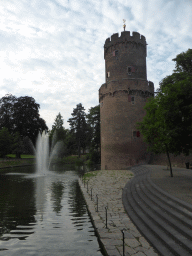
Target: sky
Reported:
point(52, 50)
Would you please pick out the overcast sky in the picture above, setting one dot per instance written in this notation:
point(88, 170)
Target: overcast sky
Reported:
point(52, 50)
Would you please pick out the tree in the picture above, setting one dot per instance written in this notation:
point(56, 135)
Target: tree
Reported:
point(58, 133)
point(93, 120)
point(5, 142)
point(79, 127)
point(58, 128)
point(17, 146)
point(21, 115)
point(6, 111)
point(154, 129)
point(167, 126)
point(27, 119)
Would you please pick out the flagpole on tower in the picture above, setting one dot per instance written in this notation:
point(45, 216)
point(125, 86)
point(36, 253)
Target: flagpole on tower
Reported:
point(124, 25)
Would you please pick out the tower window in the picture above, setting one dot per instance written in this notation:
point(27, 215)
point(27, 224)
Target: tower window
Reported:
point(108, 74)
point(132, 100)
point(129, 70)
point(115, 53)
point(136, 134)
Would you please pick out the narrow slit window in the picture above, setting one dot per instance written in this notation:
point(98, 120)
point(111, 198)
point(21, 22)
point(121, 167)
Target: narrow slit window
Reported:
point(129, 70)
point(115, 54)
point(132, 100)
point(136, 134)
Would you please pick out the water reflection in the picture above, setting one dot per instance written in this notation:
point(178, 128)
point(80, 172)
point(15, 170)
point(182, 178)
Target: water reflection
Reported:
point(44, 215)
point(75, 199)
point(17, 205)
point(57, 190)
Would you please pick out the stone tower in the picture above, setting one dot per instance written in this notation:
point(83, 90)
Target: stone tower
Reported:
point(122, 98)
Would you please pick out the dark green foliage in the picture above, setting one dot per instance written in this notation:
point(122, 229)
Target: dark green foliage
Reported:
point(26, 118)
point(58, 136)
point(6, 111)
point(17, 145)
point(167, 126)
point(5, 142)
point(93, 119)
point(21, 115)
point(79, 127)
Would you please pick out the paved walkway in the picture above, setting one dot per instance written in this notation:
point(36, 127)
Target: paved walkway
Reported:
point(108, 186)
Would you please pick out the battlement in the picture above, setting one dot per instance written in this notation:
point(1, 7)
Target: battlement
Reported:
point(151, 86)
point(125, 36)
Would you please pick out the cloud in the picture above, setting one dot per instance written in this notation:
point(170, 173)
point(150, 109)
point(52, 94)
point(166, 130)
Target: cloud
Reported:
point(52, 50)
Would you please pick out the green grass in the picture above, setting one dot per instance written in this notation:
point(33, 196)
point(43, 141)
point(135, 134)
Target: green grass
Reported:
point(74, 160)
point(22, 156)
point(14, 162)
point(89, 175)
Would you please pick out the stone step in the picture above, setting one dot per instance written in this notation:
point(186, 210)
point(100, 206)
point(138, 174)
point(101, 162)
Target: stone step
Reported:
point(166, 223)
point(168, 206)
point(159, 215)
point(144, 227)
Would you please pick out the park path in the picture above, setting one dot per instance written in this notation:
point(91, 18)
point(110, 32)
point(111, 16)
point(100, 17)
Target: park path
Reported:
point(107, 187)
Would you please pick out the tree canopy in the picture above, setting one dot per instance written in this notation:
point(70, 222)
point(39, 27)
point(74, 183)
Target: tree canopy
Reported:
point(21, 115)
point(167, 126)
point(79, 127)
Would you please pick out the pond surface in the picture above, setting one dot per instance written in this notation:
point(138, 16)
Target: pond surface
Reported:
point(44, 215)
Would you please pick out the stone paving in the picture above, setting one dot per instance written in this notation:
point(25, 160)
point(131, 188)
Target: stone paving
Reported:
point(107, 187)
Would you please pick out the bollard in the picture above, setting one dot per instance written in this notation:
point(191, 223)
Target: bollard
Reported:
point(97, 203)
point(91, 194)
point(87, 187)
point(106, 215)
point(123, 241)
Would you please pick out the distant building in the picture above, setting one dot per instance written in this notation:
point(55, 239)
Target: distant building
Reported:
point(122, 98)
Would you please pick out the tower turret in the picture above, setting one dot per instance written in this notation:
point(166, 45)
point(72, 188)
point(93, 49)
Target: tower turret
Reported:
point(122, 99)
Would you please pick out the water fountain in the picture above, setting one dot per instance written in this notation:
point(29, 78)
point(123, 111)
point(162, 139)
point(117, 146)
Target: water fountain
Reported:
point(42, 153)
point(44, 156)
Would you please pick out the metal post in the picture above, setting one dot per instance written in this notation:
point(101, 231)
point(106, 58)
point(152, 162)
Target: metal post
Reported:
point(87, 186)
point(91, 194)
point(123, 241)
point(97, 203)
point(106, 215)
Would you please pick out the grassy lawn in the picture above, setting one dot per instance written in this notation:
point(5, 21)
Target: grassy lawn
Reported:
point(74, 160)
point(88, 175)
point(13, 162)
point(22, 156)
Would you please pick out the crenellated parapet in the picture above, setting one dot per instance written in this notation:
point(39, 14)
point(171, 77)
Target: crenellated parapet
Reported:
point(124, 39)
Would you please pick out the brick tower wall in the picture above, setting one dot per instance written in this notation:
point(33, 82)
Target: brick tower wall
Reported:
point(122, 99)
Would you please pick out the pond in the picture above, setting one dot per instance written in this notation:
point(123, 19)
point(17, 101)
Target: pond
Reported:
point(44, 215)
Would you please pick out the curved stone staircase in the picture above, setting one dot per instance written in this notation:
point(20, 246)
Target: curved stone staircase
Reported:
point(164, 220)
